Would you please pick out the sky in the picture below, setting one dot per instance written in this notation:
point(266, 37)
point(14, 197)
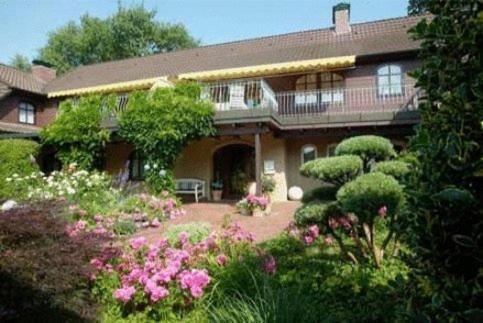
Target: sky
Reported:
point(25, 24)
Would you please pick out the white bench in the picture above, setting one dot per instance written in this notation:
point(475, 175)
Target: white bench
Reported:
point(190, 186)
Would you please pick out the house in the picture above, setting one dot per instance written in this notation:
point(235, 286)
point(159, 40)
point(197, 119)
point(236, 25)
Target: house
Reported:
point(280, 100)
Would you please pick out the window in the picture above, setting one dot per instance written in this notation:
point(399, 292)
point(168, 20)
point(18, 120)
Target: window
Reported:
point(26, 113)
point(330, 86)
point(330, 150)
point(308, 153)
point(136, 167)
point(389, 80)
point(306, 83)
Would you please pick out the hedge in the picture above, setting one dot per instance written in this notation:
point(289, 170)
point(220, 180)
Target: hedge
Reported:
point(335, 170)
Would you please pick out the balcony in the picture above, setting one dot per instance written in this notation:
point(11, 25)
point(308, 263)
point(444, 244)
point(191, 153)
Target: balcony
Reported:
point(255, 100)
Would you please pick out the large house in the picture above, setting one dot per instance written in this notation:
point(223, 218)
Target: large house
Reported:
point(280, 100)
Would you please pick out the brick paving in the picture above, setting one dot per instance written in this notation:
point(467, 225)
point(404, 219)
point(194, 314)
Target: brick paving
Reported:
point(214, 213)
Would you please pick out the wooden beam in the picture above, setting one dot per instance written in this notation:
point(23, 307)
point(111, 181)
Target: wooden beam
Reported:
point(240, 131)
point(258, 164)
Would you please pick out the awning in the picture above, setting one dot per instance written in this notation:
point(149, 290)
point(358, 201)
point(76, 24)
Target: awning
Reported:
point(270, 69)
point(113, 87)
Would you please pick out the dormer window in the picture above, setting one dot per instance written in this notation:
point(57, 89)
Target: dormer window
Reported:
point(26, 113)
point(389, 80)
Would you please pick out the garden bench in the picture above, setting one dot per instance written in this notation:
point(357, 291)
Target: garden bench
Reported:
point(190, 186)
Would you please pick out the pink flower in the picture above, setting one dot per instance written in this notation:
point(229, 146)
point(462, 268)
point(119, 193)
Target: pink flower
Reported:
point(100, 230)
point(80, 225)
point(270, 265)
point(183, 237)
point(98, 218)
point(382, 212)
point(308, 239)
point(155, 223)
point(345, 222)
point(137, 243)
point(96, 263)
point(329, 239)
point(333, 223)
point(82, 213)
point(221, 260)
point(124, 294)
point(195, 280)
point(314, 231)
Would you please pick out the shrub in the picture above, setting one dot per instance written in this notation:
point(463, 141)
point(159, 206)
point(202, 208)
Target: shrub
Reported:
point(76, 133)
point(368, 193)
point(397, 169)
point(44, 272)
point(323, 193)
point(368, 148)
point(333, 170)
point(197, 231)
point(316, 212)
point(16, 157)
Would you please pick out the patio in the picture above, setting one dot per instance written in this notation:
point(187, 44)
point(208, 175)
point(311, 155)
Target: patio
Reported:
point(213, 213)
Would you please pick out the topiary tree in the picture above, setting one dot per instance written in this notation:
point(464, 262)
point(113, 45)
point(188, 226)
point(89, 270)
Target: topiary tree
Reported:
point(366, 193)
point(77, 133)
point(161, 124)
point(17, 156)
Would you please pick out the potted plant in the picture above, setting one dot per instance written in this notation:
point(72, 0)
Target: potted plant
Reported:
point(253, 205)
point(268, 186)
point(217, 190)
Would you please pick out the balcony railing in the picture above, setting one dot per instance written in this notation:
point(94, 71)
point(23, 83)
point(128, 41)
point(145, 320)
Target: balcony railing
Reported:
point(240, 95)
point(347, 100)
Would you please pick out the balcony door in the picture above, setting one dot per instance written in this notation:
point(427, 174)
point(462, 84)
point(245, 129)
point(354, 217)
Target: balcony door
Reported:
point(319, 88)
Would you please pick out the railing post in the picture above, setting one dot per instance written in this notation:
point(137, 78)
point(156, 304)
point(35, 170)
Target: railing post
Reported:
point(258, 164)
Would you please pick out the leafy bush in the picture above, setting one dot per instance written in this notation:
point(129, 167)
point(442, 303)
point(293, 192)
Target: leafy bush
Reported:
point(323, 193)
point(76, 133)
point(161, 124)
point(44, 272)
point(368, 193)
point(316, 212)
point(16, 157)
point(197, 231)
point(395, 168)
point(368, 148)
point(333, 170)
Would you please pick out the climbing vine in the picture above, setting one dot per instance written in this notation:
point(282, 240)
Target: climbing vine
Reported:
point(161, 123)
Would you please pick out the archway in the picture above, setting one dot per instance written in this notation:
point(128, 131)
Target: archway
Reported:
point(234, 167)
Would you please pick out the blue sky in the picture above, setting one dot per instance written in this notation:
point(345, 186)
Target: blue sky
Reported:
point(25, 23)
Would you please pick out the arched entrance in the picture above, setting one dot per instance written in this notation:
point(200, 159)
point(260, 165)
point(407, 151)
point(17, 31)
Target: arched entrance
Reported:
point(234, 166)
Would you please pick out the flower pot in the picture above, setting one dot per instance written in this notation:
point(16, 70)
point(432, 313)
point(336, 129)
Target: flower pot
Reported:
point(216, 194)
point(268, 209)
point(258, 213)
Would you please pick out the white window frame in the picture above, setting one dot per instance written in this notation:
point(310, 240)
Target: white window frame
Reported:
point(302, 152)
point(26, 113)
point(391, 76)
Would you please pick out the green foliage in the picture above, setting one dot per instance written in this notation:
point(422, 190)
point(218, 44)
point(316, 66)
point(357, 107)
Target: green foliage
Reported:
point(334, 170)
point(316, 212)
point(197, 231)
point(368, 193)
point(268, 184)
point(76, 133)
point(16, 157)
point(417, 7)
point(323, 193)
point(20, 62)
point(445, 228)
point(161, 124)
point(397, 169)
point(368, 148)
point(130, 32)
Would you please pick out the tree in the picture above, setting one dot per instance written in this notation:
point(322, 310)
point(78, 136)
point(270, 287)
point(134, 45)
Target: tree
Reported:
point(361, 194)
point(416, 7)
point(445, 200)
point(130, 32)
point(20, 62)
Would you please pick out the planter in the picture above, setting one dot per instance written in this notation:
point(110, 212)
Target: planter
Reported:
point(216, 194)
point(258, 213)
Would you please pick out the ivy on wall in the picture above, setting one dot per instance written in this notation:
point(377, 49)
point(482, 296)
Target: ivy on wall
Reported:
point(161, 123)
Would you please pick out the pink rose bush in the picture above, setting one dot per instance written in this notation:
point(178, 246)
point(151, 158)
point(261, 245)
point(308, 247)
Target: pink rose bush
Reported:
point(252, 202)
point(171, 275)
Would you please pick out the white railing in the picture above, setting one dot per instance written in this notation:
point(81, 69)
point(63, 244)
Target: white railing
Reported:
point(347, 100)
point(240, 95)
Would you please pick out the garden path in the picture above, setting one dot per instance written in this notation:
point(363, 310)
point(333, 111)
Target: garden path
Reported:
point(214, 213)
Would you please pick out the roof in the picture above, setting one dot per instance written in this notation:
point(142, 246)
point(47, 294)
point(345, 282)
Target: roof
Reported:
point(384, 36)
point(21, 80)
point(18, 128)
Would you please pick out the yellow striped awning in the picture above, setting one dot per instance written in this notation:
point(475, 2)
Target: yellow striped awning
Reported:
point(113, 87)
point(270, 69)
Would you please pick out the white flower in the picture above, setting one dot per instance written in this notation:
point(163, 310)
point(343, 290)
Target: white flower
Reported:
point(155, 166)
point(162, 173)
point(146, 167)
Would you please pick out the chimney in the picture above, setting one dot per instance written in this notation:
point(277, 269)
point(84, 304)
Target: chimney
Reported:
point(340, 18)
point(42, 71)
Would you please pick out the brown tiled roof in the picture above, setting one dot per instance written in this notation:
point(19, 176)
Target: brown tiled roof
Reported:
point(384, 36)
point(17, 79)
point(17, 128)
